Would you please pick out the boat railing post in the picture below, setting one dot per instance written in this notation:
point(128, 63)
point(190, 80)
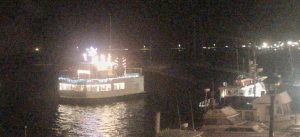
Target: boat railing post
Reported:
point(206, 91)
point(273, 91)
point(178, 112)
point(157, 123)
point(192, 110)
point(296, 119)
point(272, 98)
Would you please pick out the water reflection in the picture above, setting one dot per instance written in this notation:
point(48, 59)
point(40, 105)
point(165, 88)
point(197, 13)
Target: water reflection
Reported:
point(109, 120)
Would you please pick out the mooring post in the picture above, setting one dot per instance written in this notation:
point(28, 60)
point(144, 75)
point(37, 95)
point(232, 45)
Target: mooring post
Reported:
point(25, 131)
point(271, 126)
point(178, 113)
point(157, 123)
point(192, 111)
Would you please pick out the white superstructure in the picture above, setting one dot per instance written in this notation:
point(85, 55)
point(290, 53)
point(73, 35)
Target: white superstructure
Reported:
point(99, 77)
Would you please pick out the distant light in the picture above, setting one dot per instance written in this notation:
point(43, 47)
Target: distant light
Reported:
point(289, 42)
point(243, 46)
point(37, 49)
point(204, 47)
point(214, 44)
point(179, 46)
point(265, 44)
point(226, 46)
point(77, 47)
point(207, 89)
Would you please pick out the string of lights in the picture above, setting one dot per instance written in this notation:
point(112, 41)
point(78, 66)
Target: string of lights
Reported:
point(278, 45)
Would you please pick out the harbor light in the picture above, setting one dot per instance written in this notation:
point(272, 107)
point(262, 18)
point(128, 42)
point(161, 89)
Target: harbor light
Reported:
point(37, 49)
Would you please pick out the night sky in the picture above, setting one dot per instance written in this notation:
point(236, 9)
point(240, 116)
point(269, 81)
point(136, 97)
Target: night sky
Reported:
point(60, 25)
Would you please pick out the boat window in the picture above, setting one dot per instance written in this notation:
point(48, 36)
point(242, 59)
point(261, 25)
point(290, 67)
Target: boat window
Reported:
point(105, 87)
point(119, 86)
point(64, 86)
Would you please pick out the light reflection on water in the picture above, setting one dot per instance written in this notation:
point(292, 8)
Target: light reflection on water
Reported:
point(106, 120)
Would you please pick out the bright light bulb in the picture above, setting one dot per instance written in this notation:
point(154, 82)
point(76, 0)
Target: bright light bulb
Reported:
point(265, 45)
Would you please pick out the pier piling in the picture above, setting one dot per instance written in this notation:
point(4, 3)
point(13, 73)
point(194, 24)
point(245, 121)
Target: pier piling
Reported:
point(25, 131)
point(157, 123)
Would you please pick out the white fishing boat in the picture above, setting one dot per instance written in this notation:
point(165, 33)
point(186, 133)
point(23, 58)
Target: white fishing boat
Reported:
point(246, 87)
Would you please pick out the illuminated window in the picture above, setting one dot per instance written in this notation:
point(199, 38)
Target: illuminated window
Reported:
point(105, 87)
point(119, 86)
point(64, 86)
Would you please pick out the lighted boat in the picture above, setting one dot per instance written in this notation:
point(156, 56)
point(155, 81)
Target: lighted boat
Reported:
point(99, 77)
point(245, 89)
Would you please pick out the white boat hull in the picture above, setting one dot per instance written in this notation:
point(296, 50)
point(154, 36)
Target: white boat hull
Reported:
point(133, 86)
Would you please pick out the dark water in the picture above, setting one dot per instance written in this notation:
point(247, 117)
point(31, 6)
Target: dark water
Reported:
point(106, 120)
point(123, 118)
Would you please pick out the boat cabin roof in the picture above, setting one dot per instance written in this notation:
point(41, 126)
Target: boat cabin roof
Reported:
point(222, 112)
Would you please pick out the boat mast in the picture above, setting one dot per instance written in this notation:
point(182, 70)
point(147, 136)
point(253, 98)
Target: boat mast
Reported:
point(291, 60)
point(109, 46)
point(237, 59)
point(255, 71)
